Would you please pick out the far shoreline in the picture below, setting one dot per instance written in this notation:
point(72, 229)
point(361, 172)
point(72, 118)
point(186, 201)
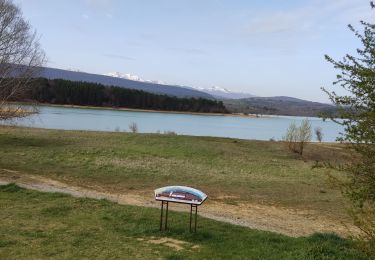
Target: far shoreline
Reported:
point(154, 111)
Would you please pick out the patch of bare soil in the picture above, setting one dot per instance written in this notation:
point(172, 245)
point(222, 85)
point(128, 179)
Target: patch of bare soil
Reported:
point(175, 244)
point(288, 221)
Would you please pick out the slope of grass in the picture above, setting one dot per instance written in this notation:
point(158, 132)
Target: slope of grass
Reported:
point(247, 171)
point(38, 225)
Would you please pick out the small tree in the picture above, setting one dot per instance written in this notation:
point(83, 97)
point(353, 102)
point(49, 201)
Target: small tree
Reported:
point(291, 137)
point(304, 134)
point(133, 127)
point(319, 134)
point(357, 111)
point(297, 136)
point(20, 59)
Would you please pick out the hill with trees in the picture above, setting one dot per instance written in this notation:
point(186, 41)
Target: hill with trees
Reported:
point(61, 91)
point(155, 88)
point(287, 106)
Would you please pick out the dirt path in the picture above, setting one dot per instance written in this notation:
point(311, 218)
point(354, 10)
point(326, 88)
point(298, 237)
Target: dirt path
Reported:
point(286, 221)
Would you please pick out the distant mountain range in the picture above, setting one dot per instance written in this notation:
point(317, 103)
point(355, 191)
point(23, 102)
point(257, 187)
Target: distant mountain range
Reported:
point(279, 105)
point(178, 91)
point(215, 91)
point(136, 82)
point(133, 77)
point(235, 102)
point(223, 93)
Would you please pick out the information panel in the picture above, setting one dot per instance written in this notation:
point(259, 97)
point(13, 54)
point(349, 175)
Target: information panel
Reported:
point(180, 194)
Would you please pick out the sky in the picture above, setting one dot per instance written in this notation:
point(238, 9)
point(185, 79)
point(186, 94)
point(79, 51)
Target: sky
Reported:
point(265, 48)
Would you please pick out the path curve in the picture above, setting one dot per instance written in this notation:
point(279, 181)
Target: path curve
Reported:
point(286, 221)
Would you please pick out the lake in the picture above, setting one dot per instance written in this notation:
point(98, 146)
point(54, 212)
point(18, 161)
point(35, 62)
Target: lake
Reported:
point(151, 122)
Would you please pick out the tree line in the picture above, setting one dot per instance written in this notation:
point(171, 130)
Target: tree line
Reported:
point(59, 91)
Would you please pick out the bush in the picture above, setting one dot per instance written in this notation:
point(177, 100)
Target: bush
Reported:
point(133, 127)
point(297, 136)
point(170, 132)
point(319, 134)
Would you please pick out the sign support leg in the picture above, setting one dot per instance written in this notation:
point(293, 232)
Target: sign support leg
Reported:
point(191, 213)
point(161, 215)
point(196, 215)
point(166, 218)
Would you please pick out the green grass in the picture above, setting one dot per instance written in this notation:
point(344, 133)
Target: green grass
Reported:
point(248, 171)
point(38, 225)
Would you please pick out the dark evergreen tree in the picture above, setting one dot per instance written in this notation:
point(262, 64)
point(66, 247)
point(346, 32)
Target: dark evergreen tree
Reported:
point(90, 94)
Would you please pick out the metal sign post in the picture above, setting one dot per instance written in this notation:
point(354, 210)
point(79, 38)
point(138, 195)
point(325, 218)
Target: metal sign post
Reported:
point(166, 216)
point(179, 194)
point(196, 214)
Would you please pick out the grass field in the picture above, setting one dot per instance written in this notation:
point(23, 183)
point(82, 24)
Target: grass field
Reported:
point(38, 225)
point(246, 171)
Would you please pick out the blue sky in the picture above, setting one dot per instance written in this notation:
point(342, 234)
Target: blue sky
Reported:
point(266, 48)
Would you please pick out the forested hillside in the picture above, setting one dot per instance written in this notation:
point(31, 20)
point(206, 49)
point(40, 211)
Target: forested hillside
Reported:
point(60, 91)
point(158, 89)
point(279, 106)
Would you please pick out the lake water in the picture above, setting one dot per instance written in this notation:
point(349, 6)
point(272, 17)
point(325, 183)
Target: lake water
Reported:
point(149, 122)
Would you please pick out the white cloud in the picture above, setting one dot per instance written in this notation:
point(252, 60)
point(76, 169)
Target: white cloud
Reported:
point(309, 17)
point(191, 51)
point(101, 6)
point(99, 3)
point(284, 30)
point(118, 56)
point(280, 22)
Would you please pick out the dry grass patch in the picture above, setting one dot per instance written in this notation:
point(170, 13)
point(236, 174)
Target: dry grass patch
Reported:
point(173, 243)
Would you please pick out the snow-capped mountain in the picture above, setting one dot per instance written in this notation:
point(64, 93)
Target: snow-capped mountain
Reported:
point(124, 82)
point(216, 91)
point(220, 92)
point(132, 77)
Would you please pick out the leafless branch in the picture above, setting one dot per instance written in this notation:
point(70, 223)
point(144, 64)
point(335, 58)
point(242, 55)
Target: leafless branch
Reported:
point(21, 58)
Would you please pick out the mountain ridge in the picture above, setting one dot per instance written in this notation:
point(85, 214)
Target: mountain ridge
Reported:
point(236, 102)
point(279, 105)
point(220, 92)
point(172, 90)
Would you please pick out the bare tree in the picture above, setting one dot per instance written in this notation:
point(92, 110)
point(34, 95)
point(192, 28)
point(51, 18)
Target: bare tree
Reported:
point(305, 134)
point(21, 58)
point(297, 136)
point(291, 137)
point(319, 134)
point(133, 127)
